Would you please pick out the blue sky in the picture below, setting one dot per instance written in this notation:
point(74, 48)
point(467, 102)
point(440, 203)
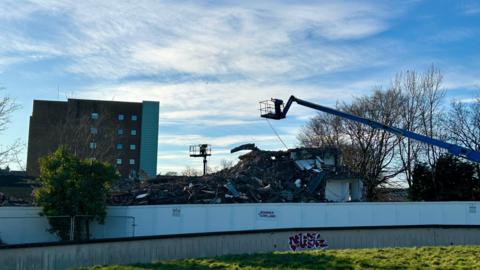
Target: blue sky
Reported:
point(210, 62)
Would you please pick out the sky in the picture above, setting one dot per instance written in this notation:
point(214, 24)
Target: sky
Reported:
point(209, 63)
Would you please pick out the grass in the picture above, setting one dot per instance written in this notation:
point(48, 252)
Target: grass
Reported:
point(452, 257)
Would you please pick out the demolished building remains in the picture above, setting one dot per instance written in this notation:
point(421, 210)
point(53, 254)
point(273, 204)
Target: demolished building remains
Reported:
point(295, 175)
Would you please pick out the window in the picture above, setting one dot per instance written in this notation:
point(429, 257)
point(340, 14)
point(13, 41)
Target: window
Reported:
point(93, 145)
point(121, 117)
point(120, 131)
point(93, 130)
point(133, 147)
point(119, 146)
point(94, 116)
point(134, 118)
point(119, 161)
point(133, 132)
point(132, 161)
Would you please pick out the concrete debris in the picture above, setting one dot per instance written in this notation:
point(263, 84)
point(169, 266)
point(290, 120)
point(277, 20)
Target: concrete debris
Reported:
point(231, 188)
point(141, 196)
point(298, 183)
point(16, 189)
point(12, 201)
point(317, 179)
point(248, 146)
point(296, 175)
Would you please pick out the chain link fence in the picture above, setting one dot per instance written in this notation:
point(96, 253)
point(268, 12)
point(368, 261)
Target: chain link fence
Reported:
point(42, 229)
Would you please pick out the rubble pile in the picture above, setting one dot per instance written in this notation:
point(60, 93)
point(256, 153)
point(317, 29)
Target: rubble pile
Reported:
point(296, 175)
point(16, 189)
point(13, 201)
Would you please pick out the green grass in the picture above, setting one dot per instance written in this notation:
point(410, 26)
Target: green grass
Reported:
point(452, 257)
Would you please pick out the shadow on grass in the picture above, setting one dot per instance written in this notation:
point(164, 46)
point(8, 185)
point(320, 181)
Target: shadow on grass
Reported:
point(269, 260)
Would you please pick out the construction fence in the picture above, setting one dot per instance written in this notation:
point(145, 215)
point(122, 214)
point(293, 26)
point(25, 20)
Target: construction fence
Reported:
point(20, 225)
point(41, 229)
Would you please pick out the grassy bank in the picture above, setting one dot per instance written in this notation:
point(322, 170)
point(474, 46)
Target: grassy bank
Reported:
point(452, 257)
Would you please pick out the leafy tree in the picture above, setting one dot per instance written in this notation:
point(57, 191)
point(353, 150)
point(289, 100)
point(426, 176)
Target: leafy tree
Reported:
point(450, 179)
point(422, 188)
point(73, 187)
point(454, 179)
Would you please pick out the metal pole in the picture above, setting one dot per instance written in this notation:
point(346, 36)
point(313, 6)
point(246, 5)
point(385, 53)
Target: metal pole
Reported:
point(72, 228)
point(204, 165)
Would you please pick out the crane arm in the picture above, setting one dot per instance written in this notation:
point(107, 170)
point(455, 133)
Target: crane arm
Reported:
point(281, 111)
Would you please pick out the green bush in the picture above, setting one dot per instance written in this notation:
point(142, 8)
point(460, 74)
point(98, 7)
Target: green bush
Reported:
point(73, 187)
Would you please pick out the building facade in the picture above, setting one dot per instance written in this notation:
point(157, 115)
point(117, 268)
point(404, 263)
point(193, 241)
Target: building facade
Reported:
point(124, 134)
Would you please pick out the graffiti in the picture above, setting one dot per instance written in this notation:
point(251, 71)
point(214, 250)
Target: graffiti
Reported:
point(307, 241)
point(267, 214)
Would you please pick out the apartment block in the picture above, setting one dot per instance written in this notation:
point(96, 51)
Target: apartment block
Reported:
point(124, 134)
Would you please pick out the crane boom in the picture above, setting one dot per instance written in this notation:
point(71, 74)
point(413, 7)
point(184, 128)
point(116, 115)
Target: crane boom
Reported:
point(275, 109)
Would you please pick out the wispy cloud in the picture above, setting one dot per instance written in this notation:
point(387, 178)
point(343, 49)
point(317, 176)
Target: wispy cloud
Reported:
point(471, 8)
point(255, 40)
point(210, 62)
point(217, 141)
point(238, 99)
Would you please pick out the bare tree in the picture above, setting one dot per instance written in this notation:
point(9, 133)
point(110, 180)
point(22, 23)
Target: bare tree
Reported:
point(463, 123)
point(94, 139)
point(367, 151)
point(88, 137)
point(413, 102)
point(408, 84)
point(432, 95)
point(328, 131)
point(420, 113)
point(189, 171)
point(376, 148)
point(323, 130)
point(225, 164)
point(8, 153)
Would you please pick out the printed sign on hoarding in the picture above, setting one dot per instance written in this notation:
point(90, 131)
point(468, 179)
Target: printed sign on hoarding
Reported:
point(266, 214)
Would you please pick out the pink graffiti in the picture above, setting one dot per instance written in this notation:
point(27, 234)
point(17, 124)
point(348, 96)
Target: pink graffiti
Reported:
point(307, 241)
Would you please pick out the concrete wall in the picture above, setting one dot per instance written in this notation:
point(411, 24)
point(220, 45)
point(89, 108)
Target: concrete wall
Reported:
point(23, 225)
point(148, 250)
point(338, 190)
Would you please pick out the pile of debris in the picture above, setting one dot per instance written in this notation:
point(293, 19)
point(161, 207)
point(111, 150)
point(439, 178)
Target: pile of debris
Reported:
point(16, 189)
point(296, 175)
point(13, 201)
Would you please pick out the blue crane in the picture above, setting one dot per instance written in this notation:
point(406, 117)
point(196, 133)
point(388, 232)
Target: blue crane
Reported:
point(276, 109)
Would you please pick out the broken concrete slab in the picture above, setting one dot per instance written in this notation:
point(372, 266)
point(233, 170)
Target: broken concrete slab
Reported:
point(248, 146)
